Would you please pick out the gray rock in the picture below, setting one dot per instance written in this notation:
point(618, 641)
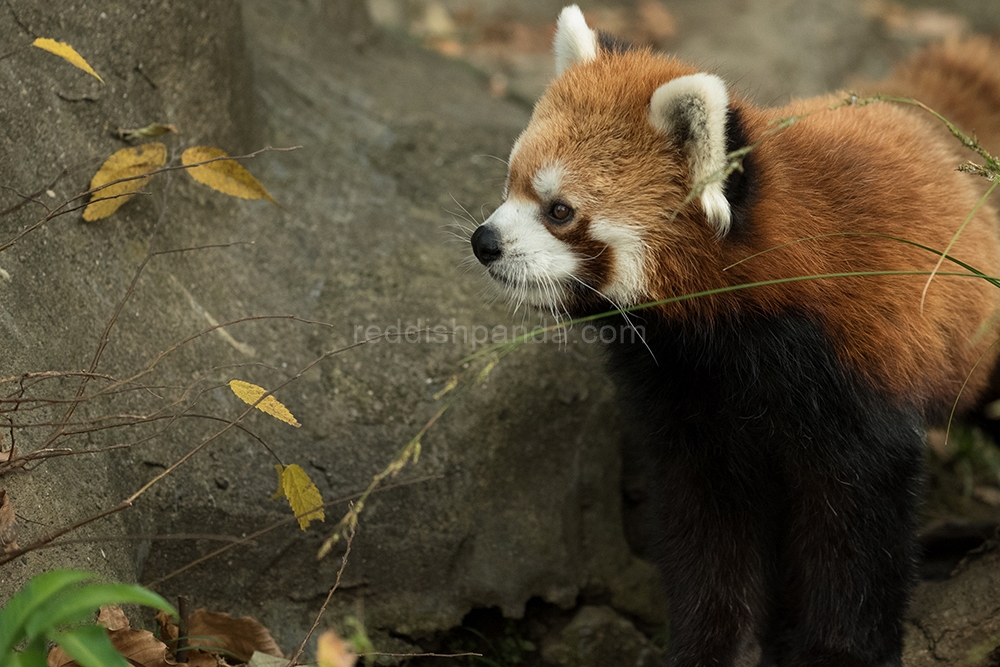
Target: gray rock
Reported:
point(598, 636)
point(515, 494)
point(181, 63)
point(957, 621)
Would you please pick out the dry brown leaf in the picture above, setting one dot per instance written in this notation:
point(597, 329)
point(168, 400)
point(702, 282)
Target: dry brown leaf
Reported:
point(127, 163)
point(113, 618)
point(195, 658)
point(251, 393)
point(151, 130)
point(239, 636)
point(67, 53)
point(226, 176)
point(167, 626)
point(59, 658)
point(332, 651)
point(8, 525)
point(140, 647)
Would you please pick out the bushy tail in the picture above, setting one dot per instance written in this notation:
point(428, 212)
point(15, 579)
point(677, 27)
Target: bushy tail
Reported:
point(958, 79)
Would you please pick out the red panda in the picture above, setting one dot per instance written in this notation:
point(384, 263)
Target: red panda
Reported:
point(783, 423)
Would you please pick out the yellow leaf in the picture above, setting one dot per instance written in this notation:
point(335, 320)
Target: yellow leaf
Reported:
point(302, 494)
point(132, 163)
point(281, 482)
point(251, 393)
point(226, 176)
point(332, 651)
point(67, 53)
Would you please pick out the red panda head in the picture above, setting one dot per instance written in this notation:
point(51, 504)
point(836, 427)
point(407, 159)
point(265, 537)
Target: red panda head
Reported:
point(594, 205)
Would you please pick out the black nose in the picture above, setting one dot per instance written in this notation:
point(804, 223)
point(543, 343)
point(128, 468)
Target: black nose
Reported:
point(486, 245)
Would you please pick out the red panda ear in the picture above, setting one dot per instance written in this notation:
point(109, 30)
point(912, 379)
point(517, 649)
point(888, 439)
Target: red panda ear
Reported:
point(694, 108)
point(574, 42)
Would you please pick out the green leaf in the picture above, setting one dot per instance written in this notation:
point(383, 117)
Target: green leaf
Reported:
point(35, 593)
point(73, 606)
point(89, 646)
point(32, 656)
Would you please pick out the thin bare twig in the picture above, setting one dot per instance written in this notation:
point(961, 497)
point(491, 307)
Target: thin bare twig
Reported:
point(51, 537)
point(322, 610)
point(126, 503)
point(28, 199)
point(106, 335)
point(267, 529)
point(410, 451)
point(152, 537)
point(180, 649)
point(70, 204)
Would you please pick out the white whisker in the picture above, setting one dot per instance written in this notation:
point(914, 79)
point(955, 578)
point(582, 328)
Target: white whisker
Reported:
point(621, 311)
point(494, 157)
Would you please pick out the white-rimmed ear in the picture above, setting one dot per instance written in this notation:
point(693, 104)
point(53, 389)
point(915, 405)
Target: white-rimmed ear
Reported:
point(694, 108)
point(574, 42)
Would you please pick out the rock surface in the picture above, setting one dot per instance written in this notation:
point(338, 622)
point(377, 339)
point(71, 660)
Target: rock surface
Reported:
point(166, 62)
point(957, 622)
point(516, 494)
point(598, 636)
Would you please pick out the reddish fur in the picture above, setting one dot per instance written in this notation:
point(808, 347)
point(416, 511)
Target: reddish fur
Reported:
point(882, 169)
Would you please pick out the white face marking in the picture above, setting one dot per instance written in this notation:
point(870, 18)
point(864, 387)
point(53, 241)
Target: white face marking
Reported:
point(535, 265)
point(548, 182)
point(628, 283)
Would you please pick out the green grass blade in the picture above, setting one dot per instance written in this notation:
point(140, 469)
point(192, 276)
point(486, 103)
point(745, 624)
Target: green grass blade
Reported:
point(89, 646)
point(22, 606)
point(992, 281)
point(73, 606)
point(33, 655)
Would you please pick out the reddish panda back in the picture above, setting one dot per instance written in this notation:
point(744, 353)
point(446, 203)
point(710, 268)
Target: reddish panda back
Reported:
point(878, 170)
point(841, 175)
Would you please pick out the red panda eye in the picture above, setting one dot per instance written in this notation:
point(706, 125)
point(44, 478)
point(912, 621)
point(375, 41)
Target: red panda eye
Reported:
point(560, 212)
